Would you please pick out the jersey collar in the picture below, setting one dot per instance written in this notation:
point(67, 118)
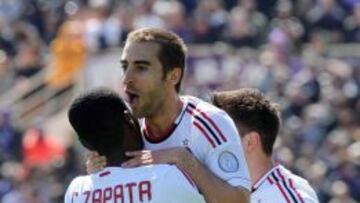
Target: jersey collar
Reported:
point(259, 182)
point(157, 139)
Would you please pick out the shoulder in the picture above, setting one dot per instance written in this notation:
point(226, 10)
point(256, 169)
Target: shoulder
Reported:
point(295, 179)
point(177, 179)
point(202, 105)
point(158, 170)
point(169, 173)
point(210, 117)
point(76, 185)
point(166, 170)
point(177, 186)
point(294, 186)
point(304, 189)
point(79, 180)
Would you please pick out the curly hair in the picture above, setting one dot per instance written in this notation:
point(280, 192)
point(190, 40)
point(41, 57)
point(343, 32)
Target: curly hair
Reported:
point(99, 117)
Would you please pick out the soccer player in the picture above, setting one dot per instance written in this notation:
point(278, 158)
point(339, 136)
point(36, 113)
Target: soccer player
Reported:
point(196, 136)
point(258, 122)
point(104, 123)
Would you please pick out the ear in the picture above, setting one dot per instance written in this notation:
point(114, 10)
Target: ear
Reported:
point(174, 76)
point(251, 141)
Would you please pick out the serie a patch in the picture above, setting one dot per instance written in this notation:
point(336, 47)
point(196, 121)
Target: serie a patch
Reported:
point(228, 162)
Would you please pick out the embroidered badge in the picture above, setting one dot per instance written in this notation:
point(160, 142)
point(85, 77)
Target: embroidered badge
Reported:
point(228, 162)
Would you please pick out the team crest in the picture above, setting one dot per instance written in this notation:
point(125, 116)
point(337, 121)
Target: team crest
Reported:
point(228, 162)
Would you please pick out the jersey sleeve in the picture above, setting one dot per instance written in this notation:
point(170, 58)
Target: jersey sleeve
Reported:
point(306, 192)
point(221, 149)
point(176, 187)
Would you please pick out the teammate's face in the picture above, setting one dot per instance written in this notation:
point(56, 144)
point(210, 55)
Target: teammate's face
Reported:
point(143, 78)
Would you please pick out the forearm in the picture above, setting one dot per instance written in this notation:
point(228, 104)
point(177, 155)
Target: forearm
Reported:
point(214, 189)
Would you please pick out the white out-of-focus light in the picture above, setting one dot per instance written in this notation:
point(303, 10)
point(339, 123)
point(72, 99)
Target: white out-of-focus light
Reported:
point(71, 8)
point(2, 56)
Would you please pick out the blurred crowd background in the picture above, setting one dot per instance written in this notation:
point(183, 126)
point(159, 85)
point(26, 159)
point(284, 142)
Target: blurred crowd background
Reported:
point(303, 54)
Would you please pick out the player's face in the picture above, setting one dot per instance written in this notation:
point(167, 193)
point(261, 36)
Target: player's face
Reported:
point(143, 78)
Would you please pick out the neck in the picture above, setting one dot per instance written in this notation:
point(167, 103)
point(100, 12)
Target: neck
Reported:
point(161, 120)
point(116, 158)
point(259, 165)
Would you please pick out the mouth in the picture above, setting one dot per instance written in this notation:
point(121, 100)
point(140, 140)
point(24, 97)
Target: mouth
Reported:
point(132, 98)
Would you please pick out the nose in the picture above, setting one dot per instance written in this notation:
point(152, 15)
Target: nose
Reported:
point(127, 77)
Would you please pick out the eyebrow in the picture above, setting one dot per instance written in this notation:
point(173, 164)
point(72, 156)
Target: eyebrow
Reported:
point(139, 62)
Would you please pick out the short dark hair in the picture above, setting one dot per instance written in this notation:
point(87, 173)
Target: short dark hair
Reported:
point(172, 53)
point(251, 111)
point(102, 120)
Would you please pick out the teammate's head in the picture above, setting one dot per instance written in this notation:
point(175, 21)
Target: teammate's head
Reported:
point(251, 112)
point(172, 52)
point(104, 123)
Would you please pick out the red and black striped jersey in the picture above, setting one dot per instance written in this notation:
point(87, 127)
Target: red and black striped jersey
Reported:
point(212, 137)
point(282, 186)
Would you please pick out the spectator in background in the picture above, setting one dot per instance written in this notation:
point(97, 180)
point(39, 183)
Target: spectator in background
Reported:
point(102, 28)
point(352, 25)
point(173, 13)
point(11, 10)
point(7, 73)
point(28, 56)
point(145, 16)
point(189, 6)
point(13, 180)
point(239, 31)
point(21, 53)
point(266, 7)
point(69, 53)
point(7, 38)
point(201, 30)
point(285, 31)
point(258, 21)
point(327, 15)
point(40, 151)
point(25, 191)
point(10, 140)
point(212, 19)
point(126, 17)
point(110, 30)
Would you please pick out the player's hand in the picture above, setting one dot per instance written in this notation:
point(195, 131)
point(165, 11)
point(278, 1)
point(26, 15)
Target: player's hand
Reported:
point(176, 155)
point(95, 162)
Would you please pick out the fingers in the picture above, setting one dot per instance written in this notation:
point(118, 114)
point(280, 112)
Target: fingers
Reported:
point(147, 157)
point(137, 153)
point(95, 162)
point(144, 158)
point(92, 154)
point(131, 163)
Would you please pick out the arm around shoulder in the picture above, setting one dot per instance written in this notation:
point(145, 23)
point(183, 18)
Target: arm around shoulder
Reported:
point(214, 189)
point(178, 187)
